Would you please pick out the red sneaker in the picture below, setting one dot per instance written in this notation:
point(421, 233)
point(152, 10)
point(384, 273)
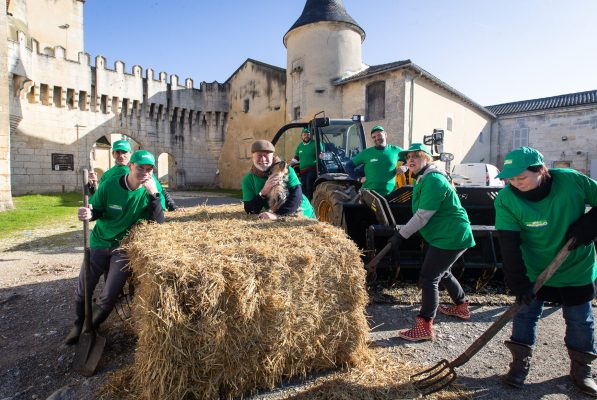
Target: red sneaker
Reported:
point(459, 311)
point(422, 330)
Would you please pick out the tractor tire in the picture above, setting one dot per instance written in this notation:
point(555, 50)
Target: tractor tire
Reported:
point(328, 199)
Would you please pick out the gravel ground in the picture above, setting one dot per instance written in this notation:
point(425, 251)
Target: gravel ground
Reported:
point(38, 273)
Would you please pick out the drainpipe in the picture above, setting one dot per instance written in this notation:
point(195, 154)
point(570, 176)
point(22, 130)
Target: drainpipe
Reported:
point(410, 109)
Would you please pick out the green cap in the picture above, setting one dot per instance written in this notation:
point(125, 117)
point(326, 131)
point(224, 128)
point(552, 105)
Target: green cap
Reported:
point(518, 160)
point(143, 157)
point(377, 128)
point(414, 147)
point(122, 145)
point(306, 130)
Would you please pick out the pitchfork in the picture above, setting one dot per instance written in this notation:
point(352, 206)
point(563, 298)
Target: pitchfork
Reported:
point(442, 374)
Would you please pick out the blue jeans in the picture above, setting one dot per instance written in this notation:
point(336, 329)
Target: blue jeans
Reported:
point(580, 325)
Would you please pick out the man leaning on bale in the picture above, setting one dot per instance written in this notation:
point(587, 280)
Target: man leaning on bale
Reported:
point(258, 184)
point(119, 203)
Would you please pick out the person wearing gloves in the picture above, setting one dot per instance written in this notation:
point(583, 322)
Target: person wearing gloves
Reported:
point(444, 225)
point(258, 184)
point(119, 203)
point(536, 213)
point(379, 162)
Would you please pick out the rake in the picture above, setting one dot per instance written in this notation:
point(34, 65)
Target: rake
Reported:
point(443, 373)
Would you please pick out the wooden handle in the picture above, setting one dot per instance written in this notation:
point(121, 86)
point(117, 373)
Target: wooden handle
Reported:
point(85, 204)
point(373, 263)
point(509, 313)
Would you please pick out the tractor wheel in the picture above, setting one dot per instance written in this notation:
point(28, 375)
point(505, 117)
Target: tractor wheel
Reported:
point(328, 199)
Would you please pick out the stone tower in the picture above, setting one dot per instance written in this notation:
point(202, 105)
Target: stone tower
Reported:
point(52, 23)
point(323, 45)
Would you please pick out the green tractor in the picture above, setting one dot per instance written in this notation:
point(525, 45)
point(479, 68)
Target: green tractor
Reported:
point(370, 219)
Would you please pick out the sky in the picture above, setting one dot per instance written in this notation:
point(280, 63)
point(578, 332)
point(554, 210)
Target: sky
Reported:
point(493, 51)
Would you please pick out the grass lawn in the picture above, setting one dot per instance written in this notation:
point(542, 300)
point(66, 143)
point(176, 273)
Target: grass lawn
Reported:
point(37, 211)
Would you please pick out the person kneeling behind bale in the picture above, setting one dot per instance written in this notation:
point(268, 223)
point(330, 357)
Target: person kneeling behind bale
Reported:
point(536, 214)
point(119, 203)
point(258, 184)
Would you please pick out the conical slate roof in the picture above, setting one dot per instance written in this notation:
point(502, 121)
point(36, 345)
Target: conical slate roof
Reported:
point(325, 10)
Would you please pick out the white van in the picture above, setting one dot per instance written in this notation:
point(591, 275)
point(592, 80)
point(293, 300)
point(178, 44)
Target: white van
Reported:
point(476, 174)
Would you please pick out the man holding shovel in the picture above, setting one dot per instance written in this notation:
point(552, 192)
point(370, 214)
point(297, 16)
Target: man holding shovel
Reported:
point(121, 152)
point(120, 202)
point(536, 214)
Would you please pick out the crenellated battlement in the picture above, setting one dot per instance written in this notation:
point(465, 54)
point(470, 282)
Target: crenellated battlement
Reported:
point(49, 78)
point(51, 68)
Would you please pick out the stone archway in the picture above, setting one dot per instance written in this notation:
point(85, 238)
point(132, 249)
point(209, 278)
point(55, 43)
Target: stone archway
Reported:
point(167, 172)
point(100, 154)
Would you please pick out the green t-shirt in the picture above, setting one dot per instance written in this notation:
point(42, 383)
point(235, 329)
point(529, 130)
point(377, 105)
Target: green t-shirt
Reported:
point(120, 209)
point(119, 170)
point(306, 154)
point(380, 168)
point(449, 228)
point(252, 185)
point(543, 225)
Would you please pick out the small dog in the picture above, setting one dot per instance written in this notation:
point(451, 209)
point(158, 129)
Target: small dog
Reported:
point(279, 193)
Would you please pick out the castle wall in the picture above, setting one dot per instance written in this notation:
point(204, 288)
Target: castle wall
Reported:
point(5, 190)
point(61, 106)
point(263, 90)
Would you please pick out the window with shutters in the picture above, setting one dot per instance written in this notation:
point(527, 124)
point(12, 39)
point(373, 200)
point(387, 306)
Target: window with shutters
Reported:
point(520, 137)
point(376, 101)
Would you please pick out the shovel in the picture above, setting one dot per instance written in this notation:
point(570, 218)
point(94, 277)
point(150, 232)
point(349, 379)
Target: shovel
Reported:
point(90, 346)
point(442, 374)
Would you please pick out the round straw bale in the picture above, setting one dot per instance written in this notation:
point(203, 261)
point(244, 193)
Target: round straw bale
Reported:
point(227, 303)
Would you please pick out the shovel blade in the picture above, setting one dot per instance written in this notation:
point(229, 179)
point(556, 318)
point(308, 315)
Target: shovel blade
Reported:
point(435, 378)
point(88, 353)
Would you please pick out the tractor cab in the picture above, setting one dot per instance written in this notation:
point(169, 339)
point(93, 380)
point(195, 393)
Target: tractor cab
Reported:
point(337, 141)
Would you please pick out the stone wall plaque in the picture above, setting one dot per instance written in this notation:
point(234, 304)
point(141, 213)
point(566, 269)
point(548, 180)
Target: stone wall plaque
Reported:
point(63, 162)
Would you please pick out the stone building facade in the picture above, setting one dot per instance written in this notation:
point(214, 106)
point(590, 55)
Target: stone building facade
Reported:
point(5, 186)
point(257, 109)
point(62, 108)
point(63, 111)
point(563, 128)
point(325, 72)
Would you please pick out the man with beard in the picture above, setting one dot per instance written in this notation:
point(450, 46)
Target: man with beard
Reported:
point(379, 163)
point(306, 156)
point(119, 203)
point(258, 184)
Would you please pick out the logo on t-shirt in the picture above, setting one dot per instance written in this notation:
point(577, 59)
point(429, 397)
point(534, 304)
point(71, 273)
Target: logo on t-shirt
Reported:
point(374, 160)
point(114, 207)
point(536, 224)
